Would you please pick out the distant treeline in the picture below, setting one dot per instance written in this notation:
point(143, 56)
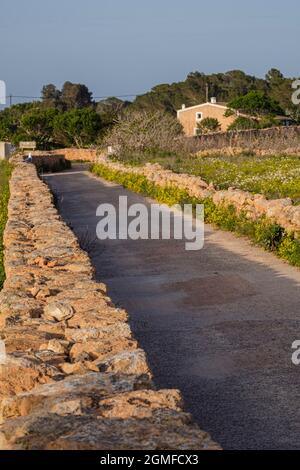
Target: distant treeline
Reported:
point(70, 116)
point(224, 86)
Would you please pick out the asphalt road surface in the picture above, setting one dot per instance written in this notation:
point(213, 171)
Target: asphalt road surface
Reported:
point(218, 324)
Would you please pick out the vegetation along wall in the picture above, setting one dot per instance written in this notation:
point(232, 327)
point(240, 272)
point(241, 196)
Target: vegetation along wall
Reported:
point(274, 224)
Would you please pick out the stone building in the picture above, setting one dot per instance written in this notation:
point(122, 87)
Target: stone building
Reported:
point(192, 116)
point(5, 150)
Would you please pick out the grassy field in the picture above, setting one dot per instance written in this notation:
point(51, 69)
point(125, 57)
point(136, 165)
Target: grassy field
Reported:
point(274, 176)
point(5, 171)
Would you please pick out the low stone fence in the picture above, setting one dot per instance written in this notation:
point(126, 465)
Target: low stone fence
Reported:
point(262, 141)
point(73, 376)
point(48, 162)
point(72, 154)
point(255, 206)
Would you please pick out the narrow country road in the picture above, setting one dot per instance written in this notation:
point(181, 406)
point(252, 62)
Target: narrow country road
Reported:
point(218, 323)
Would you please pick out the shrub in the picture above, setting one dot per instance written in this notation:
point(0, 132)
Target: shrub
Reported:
point(289, 249)
point(267, 121)
point(142, 132)
point(257, 103)
point(243, 123)
point(77, 127)
point(208, 125)
point(268, 235)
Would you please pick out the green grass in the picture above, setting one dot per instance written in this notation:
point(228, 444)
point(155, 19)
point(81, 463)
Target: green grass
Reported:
point(5, 172)
point(264, 233)
point(274, 176)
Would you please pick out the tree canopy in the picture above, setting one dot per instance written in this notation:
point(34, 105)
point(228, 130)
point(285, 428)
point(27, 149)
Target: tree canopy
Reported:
point(72, 95)
point(78, 127)
point(256, 103)
point(70, 116)
point(224, 86)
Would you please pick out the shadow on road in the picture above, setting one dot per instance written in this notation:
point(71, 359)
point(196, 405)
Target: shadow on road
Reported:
point(218, 324)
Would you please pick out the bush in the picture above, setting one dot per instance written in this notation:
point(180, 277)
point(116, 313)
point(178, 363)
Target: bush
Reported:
point(243, 123)
point(268, 235)
point(267, 122)
point(208, 125)
point(77, 127)
point(289, 249)
point(37, 124)
point(142, 132)
point(256, 103)
point(50, 127)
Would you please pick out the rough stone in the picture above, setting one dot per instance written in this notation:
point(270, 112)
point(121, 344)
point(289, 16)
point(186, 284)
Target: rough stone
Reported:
point(134, 362)
point(74, 377)
point(59, 311)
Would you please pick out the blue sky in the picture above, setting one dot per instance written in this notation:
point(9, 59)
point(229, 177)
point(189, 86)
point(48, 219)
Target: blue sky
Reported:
point(120, 47)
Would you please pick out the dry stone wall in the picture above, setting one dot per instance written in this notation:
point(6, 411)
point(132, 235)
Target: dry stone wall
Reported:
point(280, 211)
point(73, 377)
point(88, 155)
point(283, 139)
point(45, 162)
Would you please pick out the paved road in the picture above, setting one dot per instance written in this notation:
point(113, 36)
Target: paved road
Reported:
point(218, 324)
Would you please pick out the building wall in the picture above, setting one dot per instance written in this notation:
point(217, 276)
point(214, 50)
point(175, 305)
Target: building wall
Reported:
point(187, 117)
point(5, 150)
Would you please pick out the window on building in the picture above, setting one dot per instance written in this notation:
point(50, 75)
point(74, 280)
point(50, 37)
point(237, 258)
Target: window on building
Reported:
point(198, 116)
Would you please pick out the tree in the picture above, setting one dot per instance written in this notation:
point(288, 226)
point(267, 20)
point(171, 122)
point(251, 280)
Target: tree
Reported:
point(48, 126)
point(110, 110)
point(274, 77)
point(208, 125)
point(256, 103)
point(243, 123)
point(192, 91)
point(268, 121)
point(38, 124)
point(140, 131)
point(75, 95)
point(11, 119)
point(78, 127)
point(51, 95)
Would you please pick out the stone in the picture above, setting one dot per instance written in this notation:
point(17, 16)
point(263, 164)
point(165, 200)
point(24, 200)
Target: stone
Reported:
point(139, 404)
point(102, 350)
point(133, 362)
point(166, 430)
point(79, 368)
point(97, 318)
point(81, 335)
point(74, 377)
point(58, 311)
point(91, 385)
point(56, 346)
